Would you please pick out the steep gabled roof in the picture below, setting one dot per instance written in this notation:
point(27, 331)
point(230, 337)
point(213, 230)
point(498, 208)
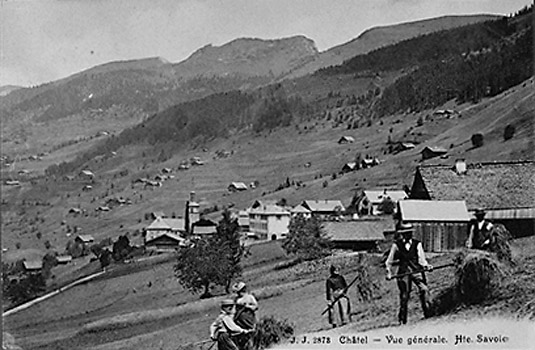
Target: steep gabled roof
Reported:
point(438, 211)
point(494, 185)
point(85, 238)
point(359, 230)
point(323, 205)
point(238, 185)
point(167, 224)
point(300, 209)
point(172, 236)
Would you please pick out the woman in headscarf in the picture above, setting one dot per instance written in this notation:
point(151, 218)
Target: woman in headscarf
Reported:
point(337, 301)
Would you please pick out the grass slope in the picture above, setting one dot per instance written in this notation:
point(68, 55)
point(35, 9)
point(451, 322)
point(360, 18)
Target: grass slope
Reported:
point(125, 312)
point(270, 158)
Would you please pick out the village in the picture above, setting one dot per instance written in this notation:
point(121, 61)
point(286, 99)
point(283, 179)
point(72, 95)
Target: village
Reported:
point(441, 204)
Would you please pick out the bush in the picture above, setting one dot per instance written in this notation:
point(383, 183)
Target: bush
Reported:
point(270, 331)
point(477, 140)
point(509, 132)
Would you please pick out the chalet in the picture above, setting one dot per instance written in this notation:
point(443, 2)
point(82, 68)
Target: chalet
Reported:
point(84, 239)
point(87, 188)
point(166, 241)
point(237, 186)
point(324, 208)
point(87, 174)
point(34, 266)
point(505, 190)
point(68, 178)
point(141, 180)
point(346, 139)
point(371, 200)
point(369, 162)
point(103, 208)
point(150, 183)
point(432, 152)
point(196, 161)
point(439, 225)
point(301, 210)
point(348, 167)
point(167, 170)
point(269, 222)
point(64, 259)
point(161, 226)
point(404, 146)
point(358, 235)
point(23, 172)
point(75, 211)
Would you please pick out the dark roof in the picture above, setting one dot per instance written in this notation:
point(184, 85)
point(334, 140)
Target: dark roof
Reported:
point(488, 185)
point(358, 230)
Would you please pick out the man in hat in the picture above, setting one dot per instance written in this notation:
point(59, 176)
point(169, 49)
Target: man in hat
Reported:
point(337, 302)
point(245, 317)
point(480, 234)
point(224, 330)
point(411, 257)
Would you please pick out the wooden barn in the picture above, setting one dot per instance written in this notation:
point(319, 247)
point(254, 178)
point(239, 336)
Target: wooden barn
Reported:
point(357, 235)
point(164, 242)
point(439, 225)
point(505, 190)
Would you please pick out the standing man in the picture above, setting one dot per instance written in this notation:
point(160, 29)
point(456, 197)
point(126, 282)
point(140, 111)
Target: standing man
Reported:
point(480, 234)
point(245, 317)
point(337, 301)
point(410, 254)
point(224, 330)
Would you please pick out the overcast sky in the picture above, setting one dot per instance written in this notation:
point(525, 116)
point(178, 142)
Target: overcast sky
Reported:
point(44, 40)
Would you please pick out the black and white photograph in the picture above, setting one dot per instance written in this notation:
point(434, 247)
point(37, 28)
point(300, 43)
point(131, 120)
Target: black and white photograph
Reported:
point(267, 174)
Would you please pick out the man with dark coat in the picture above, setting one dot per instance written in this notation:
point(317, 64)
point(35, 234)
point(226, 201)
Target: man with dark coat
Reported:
point(480, 234)
point(411, 257)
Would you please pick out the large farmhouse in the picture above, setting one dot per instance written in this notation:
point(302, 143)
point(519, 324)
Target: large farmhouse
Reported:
point(505, 190)
point(269, 221)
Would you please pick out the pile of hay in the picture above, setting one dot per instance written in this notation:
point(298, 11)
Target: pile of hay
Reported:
point(478, 276)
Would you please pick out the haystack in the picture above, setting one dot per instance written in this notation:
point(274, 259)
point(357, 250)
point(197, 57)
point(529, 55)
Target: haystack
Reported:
point(478, 275)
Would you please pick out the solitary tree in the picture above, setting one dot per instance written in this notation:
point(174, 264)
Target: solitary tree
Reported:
point(121, 248)
point(307, 239)
point(509, 132)
point(477, 140)
point(197, 267)
point(215, 260)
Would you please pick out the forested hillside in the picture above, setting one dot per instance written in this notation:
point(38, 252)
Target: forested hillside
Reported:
point(465, 64)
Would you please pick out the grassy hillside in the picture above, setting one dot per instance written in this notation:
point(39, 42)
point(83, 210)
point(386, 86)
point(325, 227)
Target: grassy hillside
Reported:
point(270, 158)
point(147, 308)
